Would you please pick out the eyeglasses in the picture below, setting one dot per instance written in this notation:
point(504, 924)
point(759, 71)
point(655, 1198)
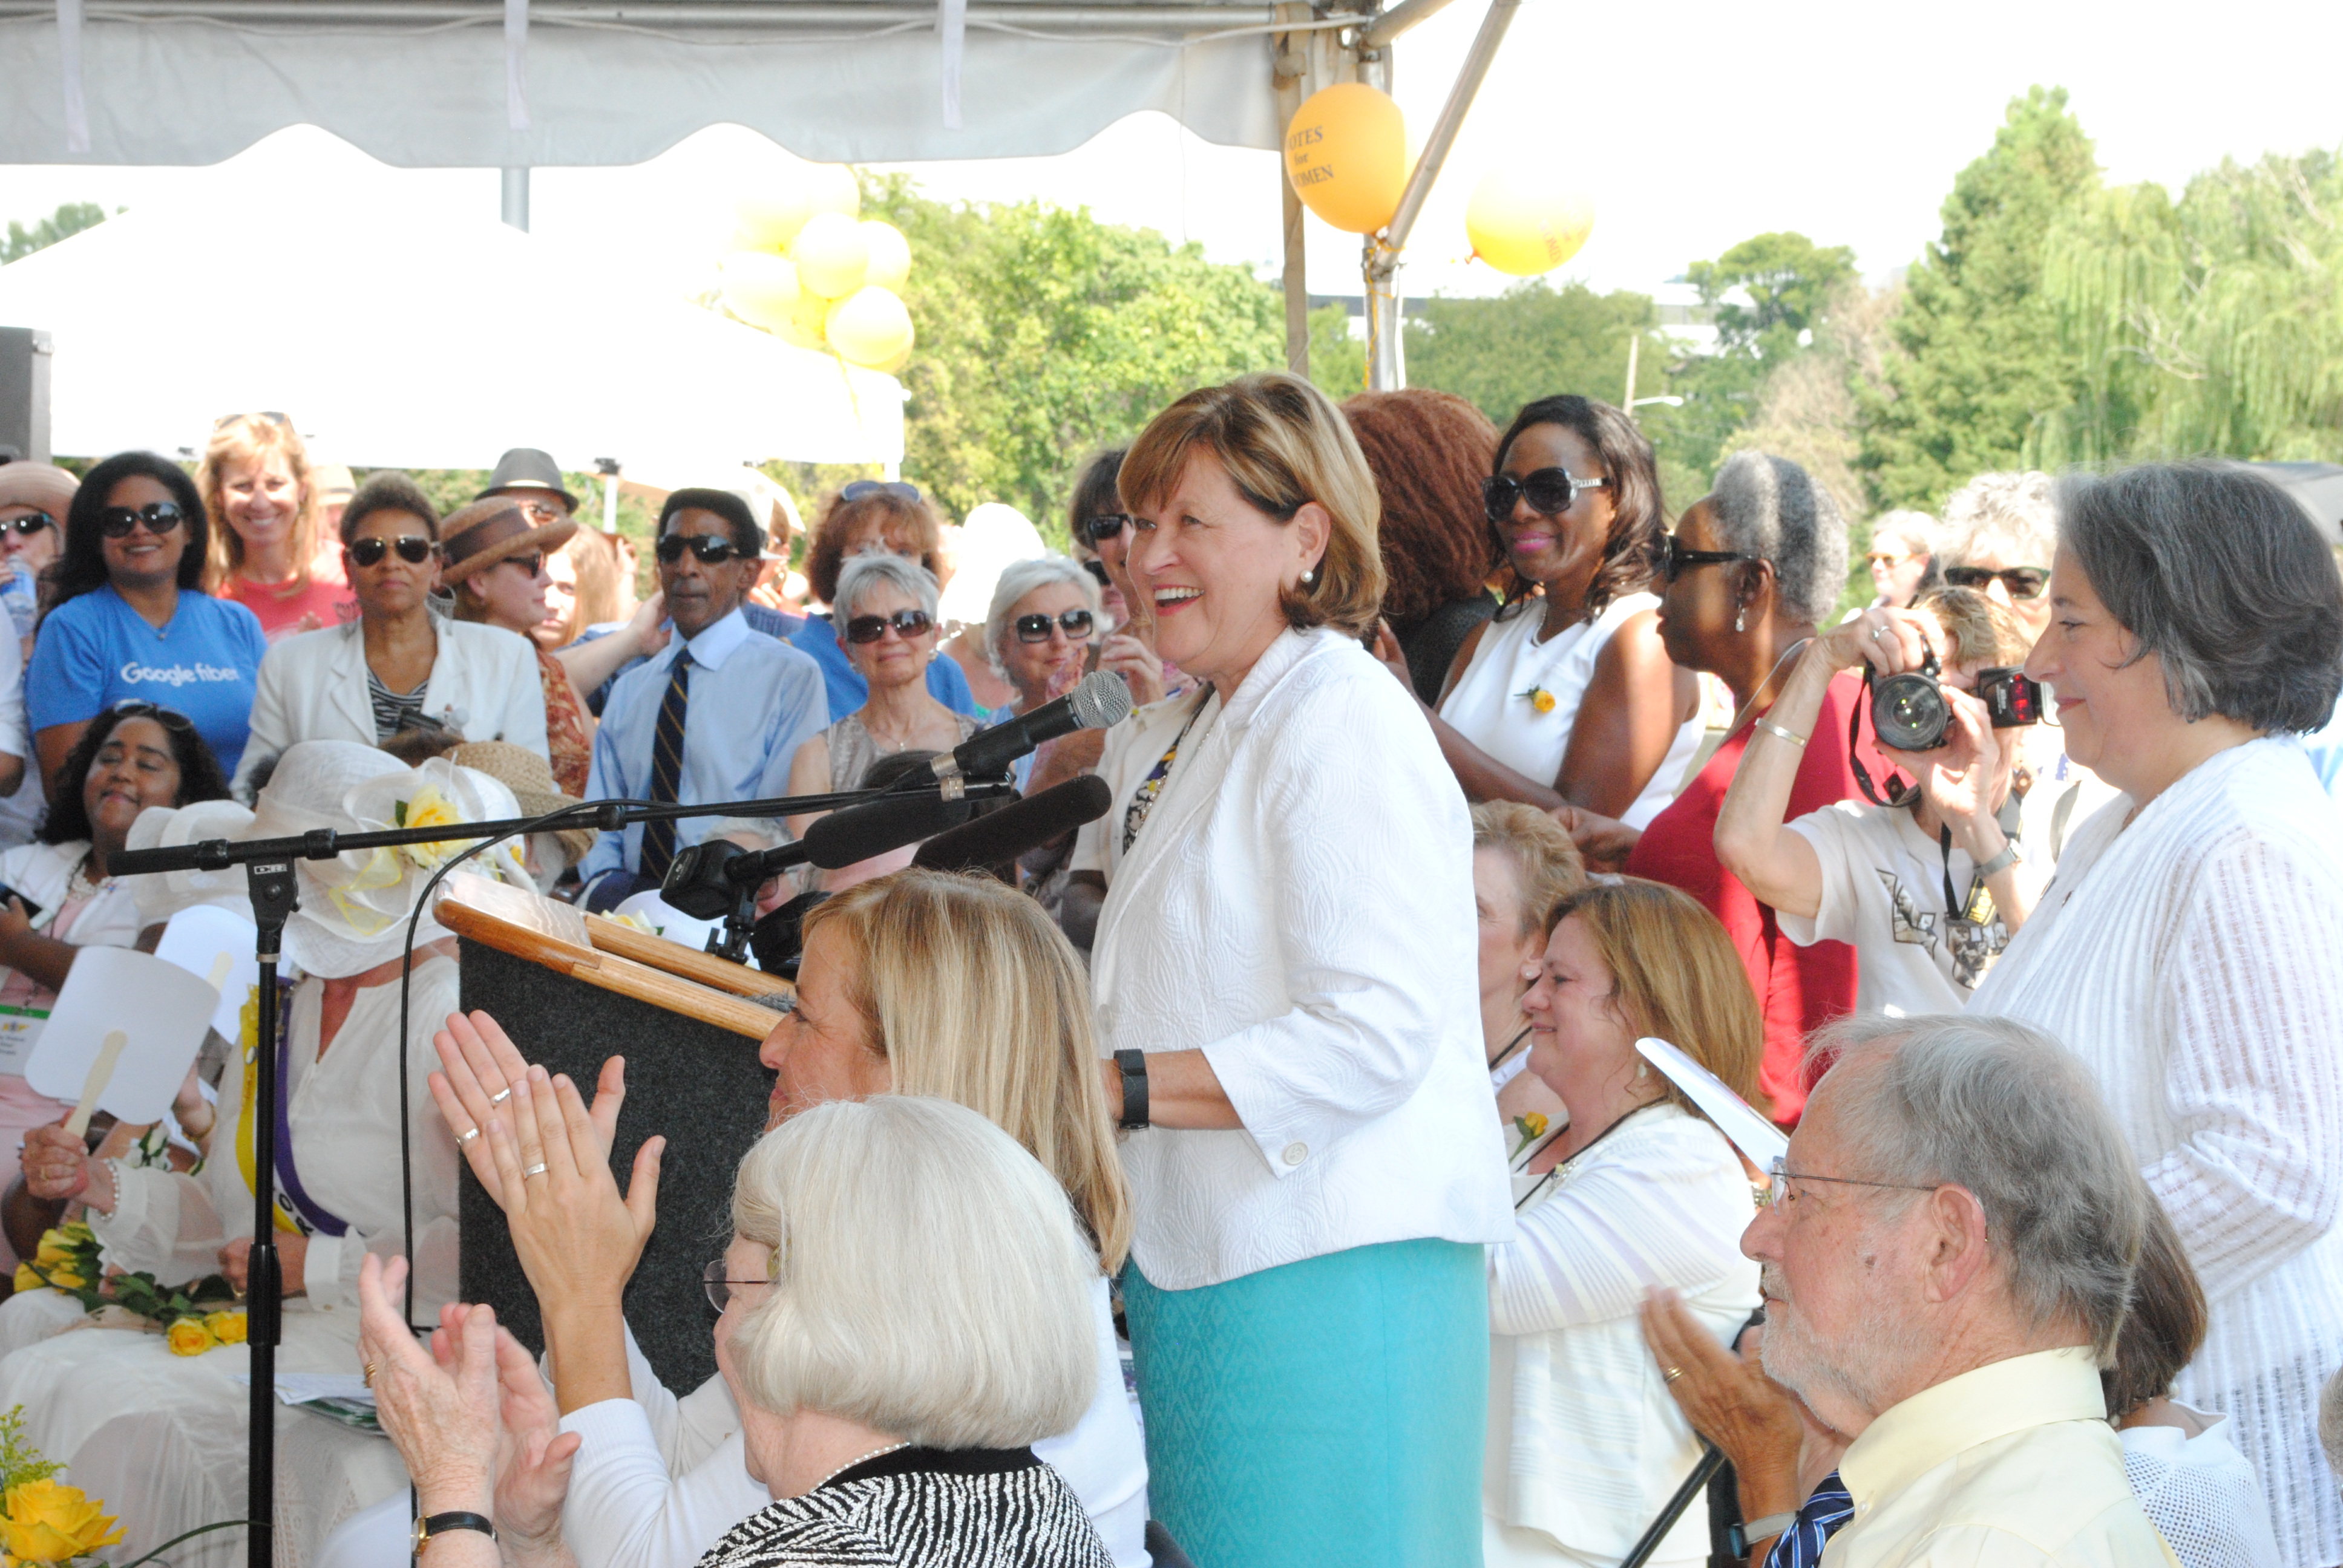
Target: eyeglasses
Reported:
point(2023, 582)
point(861, 489)
point(718, 1288)
point(1780, 1192)
point(413, 548)
point(1098, 569)
point(705, 548)
point(31, 523)
point(1674, 557)
point(169, 718)
point(1891, 559)
point(160, 517)
point(907, 624)
point(1104, 526)
point(1549, 491)
point(530, 565)
point(1035, 627)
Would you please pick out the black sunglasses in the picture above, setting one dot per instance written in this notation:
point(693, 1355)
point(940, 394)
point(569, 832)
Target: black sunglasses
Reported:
point(907, 624)
point(530, 565)
point(1549, 491)
point(1097, 568)
point(160, 517)
point(31, 523)
point(2023, 582)
point(1674, 557)
point(169, 718)
point(1104, 526)
point(862, 487)
point(707, 548)
point(1035, 627)
point(413, 548)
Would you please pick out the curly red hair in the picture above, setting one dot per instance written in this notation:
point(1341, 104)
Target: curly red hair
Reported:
point(1429, 452)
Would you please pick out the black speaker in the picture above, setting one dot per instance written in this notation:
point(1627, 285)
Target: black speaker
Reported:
point(25, 394)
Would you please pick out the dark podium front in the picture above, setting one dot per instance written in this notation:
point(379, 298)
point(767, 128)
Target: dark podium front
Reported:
point(696, 1082)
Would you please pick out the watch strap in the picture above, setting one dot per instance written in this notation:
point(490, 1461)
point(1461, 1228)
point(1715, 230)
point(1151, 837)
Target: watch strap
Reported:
point(1746, 1534)
point(1132, 1065)
point(440, 1523)
point(2009, 856)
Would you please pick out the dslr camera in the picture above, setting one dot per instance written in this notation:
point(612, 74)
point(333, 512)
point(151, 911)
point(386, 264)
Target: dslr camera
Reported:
point(1909, 713)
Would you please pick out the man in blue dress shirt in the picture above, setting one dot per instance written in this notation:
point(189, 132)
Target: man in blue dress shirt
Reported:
point(714, 716)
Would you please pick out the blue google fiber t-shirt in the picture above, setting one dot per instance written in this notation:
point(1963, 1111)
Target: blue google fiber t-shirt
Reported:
point(96, 651)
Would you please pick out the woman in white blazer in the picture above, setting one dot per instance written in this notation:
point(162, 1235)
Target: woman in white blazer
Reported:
point(397, 666)
point(1283, 973)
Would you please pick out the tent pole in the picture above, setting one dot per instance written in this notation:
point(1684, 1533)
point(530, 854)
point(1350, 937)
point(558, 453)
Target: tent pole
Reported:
point(516, 198)
point(1291, 67)
point(1386, 372)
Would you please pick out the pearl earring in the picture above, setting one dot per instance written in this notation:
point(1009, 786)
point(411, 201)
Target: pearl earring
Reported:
point(1643, 1070)
point(1309, 577)
point(1741, 618)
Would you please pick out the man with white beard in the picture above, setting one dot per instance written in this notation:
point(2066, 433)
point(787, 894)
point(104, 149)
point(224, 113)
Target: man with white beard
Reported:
point(1947, 1259)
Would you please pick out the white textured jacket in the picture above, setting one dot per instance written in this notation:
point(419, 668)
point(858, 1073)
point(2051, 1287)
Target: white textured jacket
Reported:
point(1299, 906)
point(484, 684)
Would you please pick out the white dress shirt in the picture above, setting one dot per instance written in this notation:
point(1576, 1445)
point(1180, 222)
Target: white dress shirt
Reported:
point(484, 685)
point(1299, 907)
point(752, 701)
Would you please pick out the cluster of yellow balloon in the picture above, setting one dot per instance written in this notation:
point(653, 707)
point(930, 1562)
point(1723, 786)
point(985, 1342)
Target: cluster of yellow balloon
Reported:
point(806, 268)
point(1527, 221)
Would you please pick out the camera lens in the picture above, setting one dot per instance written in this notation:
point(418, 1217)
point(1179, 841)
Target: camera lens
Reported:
point(1909, 713)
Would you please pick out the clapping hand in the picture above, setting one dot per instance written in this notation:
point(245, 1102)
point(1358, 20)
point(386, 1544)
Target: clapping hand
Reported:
point(577, 1236)
point(480, 1064)
point(443, 1418)
point(533, 1454)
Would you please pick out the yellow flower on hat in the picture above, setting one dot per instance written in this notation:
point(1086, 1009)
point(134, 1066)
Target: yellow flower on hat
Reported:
point(48, 1522)
point(429, 809)
point(188, 1337)
point(227, 1326)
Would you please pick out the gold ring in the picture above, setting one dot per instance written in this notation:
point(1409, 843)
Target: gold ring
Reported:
point(466, 1136)
point(1670, 1374)
point(501, 1095)
point(369, 1374)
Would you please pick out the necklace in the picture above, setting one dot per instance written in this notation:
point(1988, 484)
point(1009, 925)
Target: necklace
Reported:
point(850, 1463)
point(81, 884)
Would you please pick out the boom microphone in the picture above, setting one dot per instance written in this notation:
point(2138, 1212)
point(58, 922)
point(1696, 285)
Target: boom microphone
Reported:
point(999, 837)
point(1098, 700)
point(708, 880)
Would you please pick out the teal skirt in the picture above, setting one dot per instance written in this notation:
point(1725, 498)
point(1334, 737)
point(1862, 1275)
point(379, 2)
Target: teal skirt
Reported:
point(1325, 1411)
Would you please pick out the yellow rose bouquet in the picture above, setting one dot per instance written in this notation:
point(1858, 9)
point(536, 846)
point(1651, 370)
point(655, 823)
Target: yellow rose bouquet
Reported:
point(43, 1519)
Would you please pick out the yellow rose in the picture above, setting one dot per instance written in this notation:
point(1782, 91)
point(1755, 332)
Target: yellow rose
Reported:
point(49, 1522)
point(188, 1337)
point(226, 1326)
point(1535, 1123)
point(56, 1247)
point(28, 1281)
point(66, 1279)
point(429, 809)
point(1543, 700)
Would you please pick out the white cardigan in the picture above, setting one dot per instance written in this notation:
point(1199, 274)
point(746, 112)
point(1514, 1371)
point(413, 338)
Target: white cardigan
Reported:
point(313, 687)
point(1299, 906)
point(2194, 963)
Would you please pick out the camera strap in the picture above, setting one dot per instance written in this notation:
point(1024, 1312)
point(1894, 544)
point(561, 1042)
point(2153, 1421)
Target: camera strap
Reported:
point(1900, 797)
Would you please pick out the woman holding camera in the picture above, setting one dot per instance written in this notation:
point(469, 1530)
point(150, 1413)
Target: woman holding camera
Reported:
point(1870, 875)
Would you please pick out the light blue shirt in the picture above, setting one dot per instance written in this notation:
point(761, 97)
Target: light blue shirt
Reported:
point(753, 701)
point(2326, 749)
point(1021, 772)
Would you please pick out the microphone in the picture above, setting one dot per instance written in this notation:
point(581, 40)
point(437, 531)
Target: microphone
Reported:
point(779, 939)
point(855, 833)
point(999, 837)
point(1099, 700)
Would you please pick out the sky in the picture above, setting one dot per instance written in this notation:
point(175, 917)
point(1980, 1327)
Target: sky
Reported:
point(1693, 125)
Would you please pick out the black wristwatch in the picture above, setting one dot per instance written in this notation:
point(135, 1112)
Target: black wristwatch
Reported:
point(440, 1523)
point(1132, 1065)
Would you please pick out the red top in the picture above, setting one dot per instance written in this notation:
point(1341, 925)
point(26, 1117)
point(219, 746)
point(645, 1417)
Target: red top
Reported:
point(1798, 989)
point(322, 600)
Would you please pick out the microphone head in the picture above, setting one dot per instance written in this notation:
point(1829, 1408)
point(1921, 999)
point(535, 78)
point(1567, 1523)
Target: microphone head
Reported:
point(999, 837)
point(779, 939)
point(855, 833)
point(1100, 699)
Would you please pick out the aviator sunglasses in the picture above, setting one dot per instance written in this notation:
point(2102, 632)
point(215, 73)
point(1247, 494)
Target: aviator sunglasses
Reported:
point(160, 517)
point(907, 624)
point(1549, 491)
point(413, 548)
point(1035, 627)
point(705, 548)
point(2023, 582)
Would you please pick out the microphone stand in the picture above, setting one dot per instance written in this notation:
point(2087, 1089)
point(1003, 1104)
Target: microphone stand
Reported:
point(269, 876)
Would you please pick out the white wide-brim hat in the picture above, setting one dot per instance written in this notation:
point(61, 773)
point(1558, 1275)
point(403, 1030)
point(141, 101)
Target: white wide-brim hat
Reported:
point(993, 536)
point(164, 894)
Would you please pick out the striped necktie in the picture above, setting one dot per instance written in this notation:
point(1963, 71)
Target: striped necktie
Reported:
point(667, 767)
point(1801, 1546)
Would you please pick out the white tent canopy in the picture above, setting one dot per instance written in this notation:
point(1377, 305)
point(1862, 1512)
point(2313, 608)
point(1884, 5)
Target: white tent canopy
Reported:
point(421, 352)
point(503, 84)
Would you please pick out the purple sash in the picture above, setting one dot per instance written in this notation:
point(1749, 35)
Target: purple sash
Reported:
point(315, 1216)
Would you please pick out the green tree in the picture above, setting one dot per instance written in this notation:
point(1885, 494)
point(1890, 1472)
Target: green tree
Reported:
point(1533, 341)
point(1981, 354)
point(1338, 361)
point(1044, 333)
point(1791, 284)
point(69, 219)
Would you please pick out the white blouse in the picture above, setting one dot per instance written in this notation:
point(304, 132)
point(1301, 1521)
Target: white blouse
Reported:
point(1490, 707)
point(2191, 961)
point(1299, 907)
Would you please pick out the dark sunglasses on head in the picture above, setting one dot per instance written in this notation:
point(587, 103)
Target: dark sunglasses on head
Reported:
point(1549, 491)
point(2023, 582)
point(863, 487)
point(169, 718)
point(160, 517)
point(1104, 526)
point(31, 523)
point(413, 548)
point(1674, 557)
point(707, 548)
point(1035, 627)
point(907, 624)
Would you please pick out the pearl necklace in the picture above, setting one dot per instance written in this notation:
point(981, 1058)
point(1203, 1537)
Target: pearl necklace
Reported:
point(850, 1463)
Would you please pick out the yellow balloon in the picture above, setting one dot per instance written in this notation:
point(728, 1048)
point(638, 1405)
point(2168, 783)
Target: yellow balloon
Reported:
point(831, 254)
point(1527, 220)
point(869, 326)
point(769, 219)
point(803, 327)
point(759, 288)
point(1346, 154)
point(890, 254)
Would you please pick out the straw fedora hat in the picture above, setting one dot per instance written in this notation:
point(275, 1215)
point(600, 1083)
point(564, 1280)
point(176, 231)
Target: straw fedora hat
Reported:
point(474, 538)
point(531, 779)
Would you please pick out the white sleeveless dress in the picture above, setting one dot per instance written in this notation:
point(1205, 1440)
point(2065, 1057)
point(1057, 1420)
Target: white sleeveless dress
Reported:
point(1490, 707)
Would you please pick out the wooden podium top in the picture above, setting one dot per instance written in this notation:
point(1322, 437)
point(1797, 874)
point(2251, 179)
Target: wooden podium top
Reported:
point(611, 955)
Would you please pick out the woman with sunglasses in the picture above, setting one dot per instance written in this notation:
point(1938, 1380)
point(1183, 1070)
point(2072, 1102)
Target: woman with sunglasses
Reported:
point(1902, 560)
point(887, 606)
point(265, 507)
point(866, 517)
point(497, 561)
point(129, 620)
point(1043, 621)
point(1567, 698)
point(398, 665)
point(34, 500)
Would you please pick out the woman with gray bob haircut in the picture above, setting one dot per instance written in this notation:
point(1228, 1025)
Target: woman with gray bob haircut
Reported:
point(1038, 633)
point(2186, 952)
point(1768, 509)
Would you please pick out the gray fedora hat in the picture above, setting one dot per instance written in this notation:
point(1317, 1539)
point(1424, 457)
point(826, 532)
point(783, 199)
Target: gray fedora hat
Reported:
point(526, 467)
